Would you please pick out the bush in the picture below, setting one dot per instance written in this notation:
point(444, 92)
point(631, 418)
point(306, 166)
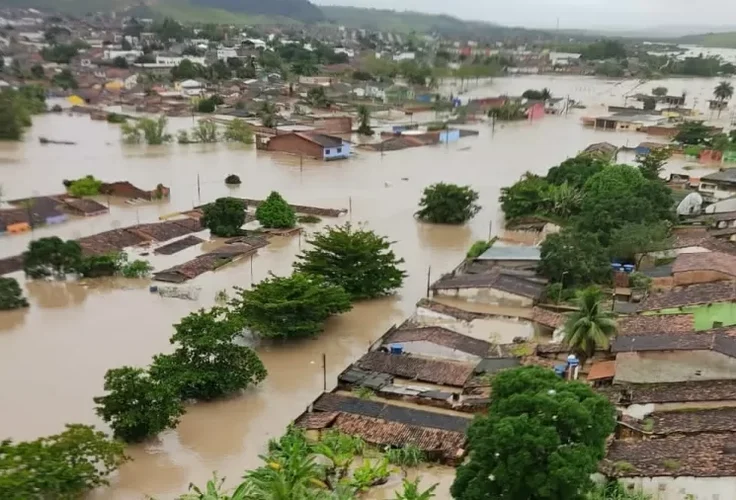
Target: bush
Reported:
point(136, 269)
point(274, 212)
point(206, 106)
point(448, 204)
point(232, 180)
point(86, 186)
point(11, 296)
point(238, 130)
point(308, 219)
point(225, 217)
point(639, 281)
point(97, 266)
point(478, 248)
point(116, 118)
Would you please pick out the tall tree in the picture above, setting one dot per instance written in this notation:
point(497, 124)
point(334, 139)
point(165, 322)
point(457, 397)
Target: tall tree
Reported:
point(11, 296)
point(448, 204)
point(207, 362)
point(274, 212)
point(723, 92)
point(11, 116)
point(652, 163)
point(589, 327)
point(528, 196)
point(291, 307)
point(541, 439)
point(358, 260)
point(224, 217)
point(51, 256)
point(65, 465)
point(136, 405)
point(572, 257)
point(364, 115)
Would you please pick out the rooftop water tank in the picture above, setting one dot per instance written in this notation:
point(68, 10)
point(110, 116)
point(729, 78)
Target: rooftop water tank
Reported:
point(396, 349)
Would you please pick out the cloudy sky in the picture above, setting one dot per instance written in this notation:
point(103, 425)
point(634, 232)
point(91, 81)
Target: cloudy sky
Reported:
point(598, 14)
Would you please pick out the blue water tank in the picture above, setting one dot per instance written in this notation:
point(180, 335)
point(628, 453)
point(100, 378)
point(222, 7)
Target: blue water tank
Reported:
point(616, 266)
point(560, 370)
point(629, 268)
point(153, 288)
point(573, 360)
point(396, 349)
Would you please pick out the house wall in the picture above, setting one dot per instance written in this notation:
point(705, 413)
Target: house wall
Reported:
point(487, 296)
point(492, 329)
point(337, 153)
point(676, 488)
point(536, 111)
point(693, 277)
point(334, 125)
point(291, 143)
point(716, 190)
point(449, 135)
point(706, 315)
point(673, 366)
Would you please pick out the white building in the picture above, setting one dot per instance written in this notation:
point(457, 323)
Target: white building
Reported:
point(129, 55)
point(171, 61)
point(348, 52)
point(405, 56)
point(224, 53)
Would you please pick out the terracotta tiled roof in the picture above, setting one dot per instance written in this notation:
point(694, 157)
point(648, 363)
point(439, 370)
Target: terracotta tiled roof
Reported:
point(547, 318)
point(705, 261)
point(453, 312)
point(690, 295)
point(691, 421)
point(316, 420)
point(674, 392)
point(722, 340)
point(411, 367)
point(665, 323)
point(702, 455)
point(703, 240)
point(440, 336)
point(602, 370)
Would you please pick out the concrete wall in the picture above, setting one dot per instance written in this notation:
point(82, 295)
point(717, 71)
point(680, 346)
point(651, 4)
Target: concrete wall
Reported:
point(334, 124)
point(676, 488)
point(492, 329)
point(673, 366)
point(487, 296)
point(290, 143)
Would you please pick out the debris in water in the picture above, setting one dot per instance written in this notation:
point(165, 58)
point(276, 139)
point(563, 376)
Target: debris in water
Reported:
point(175, 292)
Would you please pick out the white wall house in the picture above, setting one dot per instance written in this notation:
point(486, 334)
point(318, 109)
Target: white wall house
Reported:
point(129, 55)
point(171, 61)
point(405, 56)
point(223, 53)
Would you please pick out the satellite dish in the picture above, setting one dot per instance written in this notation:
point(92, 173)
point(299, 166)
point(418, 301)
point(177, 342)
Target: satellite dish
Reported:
point(690, 205)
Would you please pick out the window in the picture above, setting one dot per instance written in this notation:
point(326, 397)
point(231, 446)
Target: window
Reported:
point(327, 151)
point(339, 150)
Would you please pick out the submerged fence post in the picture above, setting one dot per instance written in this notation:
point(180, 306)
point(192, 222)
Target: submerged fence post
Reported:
point(350, 208)
point(429, 272)
point(251, 269)
point(324, 372)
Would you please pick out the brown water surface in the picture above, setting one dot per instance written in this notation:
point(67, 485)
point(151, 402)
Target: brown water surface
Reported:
point(54, 355)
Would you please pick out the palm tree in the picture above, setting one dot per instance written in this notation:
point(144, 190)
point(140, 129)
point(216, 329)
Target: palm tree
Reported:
point(723, 92)
point(590, 326)
point(546, 94)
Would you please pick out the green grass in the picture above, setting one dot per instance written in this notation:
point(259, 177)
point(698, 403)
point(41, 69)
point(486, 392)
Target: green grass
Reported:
point(721, 40)
point(187, 13)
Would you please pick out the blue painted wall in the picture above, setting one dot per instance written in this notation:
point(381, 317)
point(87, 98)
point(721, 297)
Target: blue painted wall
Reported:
point(337, 153)
point(450, 135)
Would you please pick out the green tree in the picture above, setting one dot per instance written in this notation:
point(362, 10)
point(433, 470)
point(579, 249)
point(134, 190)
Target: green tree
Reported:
point(120, 62)
point(723, 92)
point(207, 362)
point(51, 256)
point(65, 465)
point(138, 405)
point(528, 196)
point(225, 217)
point(649, 103)
point(613, 490)
point(364, 115)
point(37, 72)
point(448, 204)
point(537, 95)
point(541, 439)
point(238, 130)
point(693, 133)
point(290, 307)
point(576, 171)
point(631, 240)
point(12, 116)
point(216, 491)
point(274, 212)
point(359, 260)
point(591, 326)
point(410, 491)
point(86, 186)
point(316, 97)
point(659, 91)
point(11, 296)
point(564, 200)
point(206, 106)
point(186, 70)
point(574, 258)
point(652, 163)
point(268, 114)
point(59, 53)
point(478, 248)
point(153, 132)
point(205, 132)
point(65, 79)
point(96, 266)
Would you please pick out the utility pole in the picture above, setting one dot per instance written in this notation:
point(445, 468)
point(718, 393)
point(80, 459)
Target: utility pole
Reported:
point(490, 230)
point(429, 274)
point(350, 208)
point(324, 372)
point(199, 190)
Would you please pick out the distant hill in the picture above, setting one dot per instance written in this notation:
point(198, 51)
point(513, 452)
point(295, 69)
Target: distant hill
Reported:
point(408, 21)
point(218, 11)
point(726, 40)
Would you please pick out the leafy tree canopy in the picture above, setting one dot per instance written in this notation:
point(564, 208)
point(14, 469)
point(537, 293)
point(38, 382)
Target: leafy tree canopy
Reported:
point(137, 405)
point(448, 204)
point(11, 296)
point(207, 362)
point(652, 163)
point(528, 196)
point(572, 257)
point(693, 133)
point(86, 186)
point(291, 307)
point(637, 238)
point(225, 217)
point(576, 171)
point(541, 439)
point(65, 465)
point(13, 117)
point(51, 256)
point(274, 212)
point(358, 260)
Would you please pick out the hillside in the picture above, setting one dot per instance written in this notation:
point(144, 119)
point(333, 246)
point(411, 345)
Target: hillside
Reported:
point(216, 11)
point(408, 21)
point(726, 40)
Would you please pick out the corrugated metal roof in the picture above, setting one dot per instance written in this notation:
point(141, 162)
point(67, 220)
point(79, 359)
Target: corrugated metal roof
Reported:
point(511, 253)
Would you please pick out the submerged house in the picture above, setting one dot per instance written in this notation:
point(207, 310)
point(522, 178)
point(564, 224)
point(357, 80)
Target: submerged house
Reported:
point(310, 144)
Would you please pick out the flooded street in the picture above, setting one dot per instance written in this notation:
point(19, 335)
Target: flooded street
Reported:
point(53, 356)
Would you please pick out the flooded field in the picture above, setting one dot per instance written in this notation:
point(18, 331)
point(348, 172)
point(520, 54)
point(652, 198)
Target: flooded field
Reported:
point(53, 356)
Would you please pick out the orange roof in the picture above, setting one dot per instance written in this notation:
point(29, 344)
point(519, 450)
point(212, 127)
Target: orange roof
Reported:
point(602, 370)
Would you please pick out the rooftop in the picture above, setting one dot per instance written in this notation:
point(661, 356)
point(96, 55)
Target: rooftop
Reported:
point(725, 175)
point(705, 261)
point(324, 140)
point(680, 296)
point(497, 279)
point(691, 421)
point(511, 253)
point(440, 336)
point(721, 340)
point(672, 392)
point(669, 323)
point(435, 371)
point(702, 455)
point(602, 370)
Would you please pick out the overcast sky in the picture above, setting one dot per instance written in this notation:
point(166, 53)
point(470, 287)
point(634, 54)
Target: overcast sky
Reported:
point(614, 14)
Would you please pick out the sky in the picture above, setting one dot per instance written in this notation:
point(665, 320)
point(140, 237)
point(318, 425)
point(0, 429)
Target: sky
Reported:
point(577, 14)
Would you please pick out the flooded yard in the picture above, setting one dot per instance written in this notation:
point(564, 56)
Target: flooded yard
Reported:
point(53, 356)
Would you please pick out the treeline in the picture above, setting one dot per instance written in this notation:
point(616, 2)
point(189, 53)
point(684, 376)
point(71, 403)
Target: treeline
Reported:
point(16, 109)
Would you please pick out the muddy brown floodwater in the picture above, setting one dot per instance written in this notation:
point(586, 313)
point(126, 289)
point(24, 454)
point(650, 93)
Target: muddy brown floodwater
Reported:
point(54, 355)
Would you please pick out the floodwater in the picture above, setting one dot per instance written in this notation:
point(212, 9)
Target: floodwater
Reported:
point(53, 356)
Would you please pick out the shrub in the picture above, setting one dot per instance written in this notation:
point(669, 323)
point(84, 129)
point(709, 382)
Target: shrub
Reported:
point(116, 118)
point(478, 248)
point(11, 296)
point(308, 219)
point(225, 217)
point(448, 204)
point(86, 186)
point(275, 212)
point(232, 180)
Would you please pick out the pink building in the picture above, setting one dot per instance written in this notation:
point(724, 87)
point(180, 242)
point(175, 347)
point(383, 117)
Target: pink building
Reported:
point(535, 111)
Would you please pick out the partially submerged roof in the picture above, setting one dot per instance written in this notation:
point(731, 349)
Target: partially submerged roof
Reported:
point(721, 340)
point(440, 336)
point(511, 253)
point(657, 323)
point(691, 421)
point(701, 455)
point(436, 371)
point(705, 261)
point(178, 245)
point(602, 370)
point(496, 279)
point(681, 296)
point(324, 140)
